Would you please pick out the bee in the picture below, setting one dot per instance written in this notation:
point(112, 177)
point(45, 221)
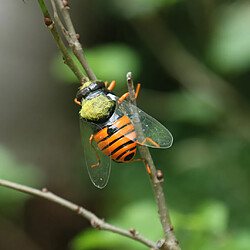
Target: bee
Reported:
point(107, 125)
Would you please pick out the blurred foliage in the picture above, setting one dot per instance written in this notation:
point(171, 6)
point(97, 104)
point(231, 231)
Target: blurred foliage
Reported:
point(186, 107)
point(136, 8)
point(145, 222)
point(205, 228)
point(11, 169)
point(110, 61)
point(229, 48)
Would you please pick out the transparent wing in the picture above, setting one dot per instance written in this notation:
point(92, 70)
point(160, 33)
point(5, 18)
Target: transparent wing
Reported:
point(151, 130)
point(99, 175)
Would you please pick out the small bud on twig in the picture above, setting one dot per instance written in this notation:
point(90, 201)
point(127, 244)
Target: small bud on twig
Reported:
point(45, 190)
point(132, 231)
point(78, 209)
point(95, 224)
point(159, 175)
point(129, 76)
point(160, 243)
point(48, 21)
point(65, 3)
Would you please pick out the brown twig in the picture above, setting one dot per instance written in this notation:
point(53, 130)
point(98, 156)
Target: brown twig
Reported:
point(170, 241)
point(95, 221)
point(74, 43)
point(170, 238)
point(59, 22)
point(67, 57)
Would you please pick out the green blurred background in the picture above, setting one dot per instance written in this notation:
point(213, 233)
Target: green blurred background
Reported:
point(193, 60)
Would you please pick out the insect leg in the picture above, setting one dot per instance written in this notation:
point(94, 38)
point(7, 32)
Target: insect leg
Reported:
point(146, 163)
point(149, 139)
point(124, 96)
point(90, 142)
point(137, 90)
point(111, 85)
point(75, 100)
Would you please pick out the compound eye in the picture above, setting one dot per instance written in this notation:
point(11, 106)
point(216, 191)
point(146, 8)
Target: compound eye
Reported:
point(82, 93)
point(101, 84)
point(96, 85)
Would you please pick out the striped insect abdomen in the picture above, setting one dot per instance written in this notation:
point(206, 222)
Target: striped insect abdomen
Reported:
point(118, 140)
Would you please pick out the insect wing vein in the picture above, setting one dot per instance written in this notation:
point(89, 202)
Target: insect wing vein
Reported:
point(152, 130)
point(99, 175)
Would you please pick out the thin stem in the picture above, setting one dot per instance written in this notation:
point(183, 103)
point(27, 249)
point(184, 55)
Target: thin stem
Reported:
point(59, 22)
point(95, 221)
point(44, 8)
point(74, 44)
point(67, 57)
point(170, 238)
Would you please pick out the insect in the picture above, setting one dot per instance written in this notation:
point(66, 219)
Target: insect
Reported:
point(107, 128)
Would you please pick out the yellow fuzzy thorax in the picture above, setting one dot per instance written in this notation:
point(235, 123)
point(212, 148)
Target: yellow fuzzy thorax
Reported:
point(85, 84)
point(96, 108)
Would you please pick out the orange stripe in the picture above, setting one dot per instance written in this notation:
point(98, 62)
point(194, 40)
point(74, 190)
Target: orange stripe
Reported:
point(109, 140)
point(131, 136)
point(101, 134)
point(119, 123)
point(126, 129)
point(116, 135)
point(103, 144)
point(115, 155)
point(118, 143)
point(122, 121)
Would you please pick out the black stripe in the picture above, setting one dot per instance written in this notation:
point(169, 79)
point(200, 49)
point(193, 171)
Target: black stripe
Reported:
point(129, 157)
point(113, 132)
point(123, 145)
point(109, 144)
point(125, 153)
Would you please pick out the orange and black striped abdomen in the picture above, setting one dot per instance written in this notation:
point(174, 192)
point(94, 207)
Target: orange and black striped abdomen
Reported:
point(118, 141)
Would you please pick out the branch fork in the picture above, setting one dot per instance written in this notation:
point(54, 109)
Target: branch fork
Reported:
point(156, 177)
